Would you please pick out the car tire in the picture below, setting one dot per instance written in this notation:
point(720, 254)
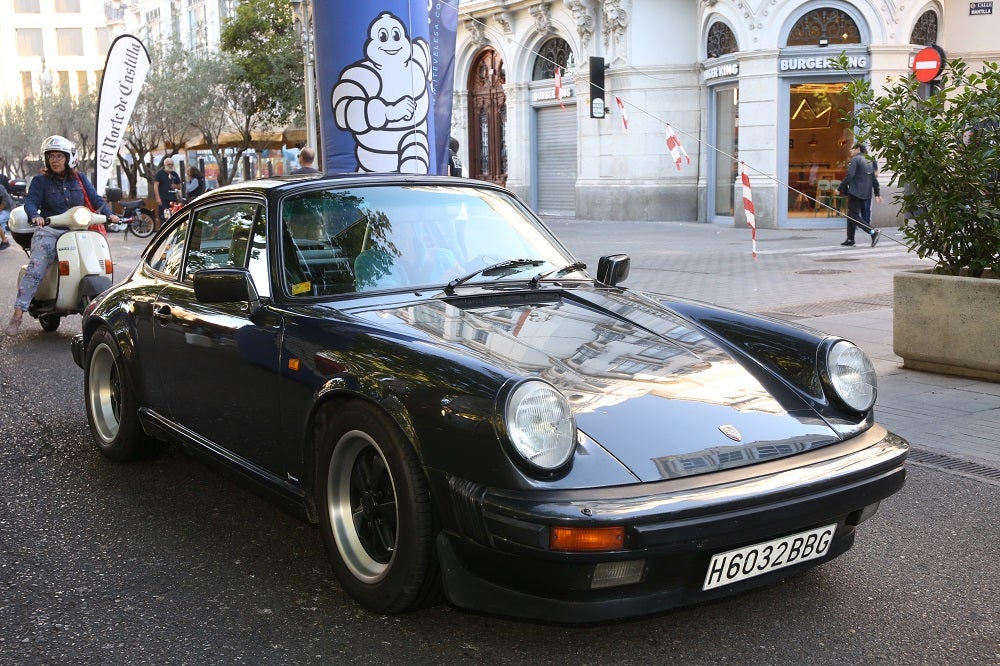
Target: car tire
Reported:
point(374, 510)
point(112, 408)
point(49, 322)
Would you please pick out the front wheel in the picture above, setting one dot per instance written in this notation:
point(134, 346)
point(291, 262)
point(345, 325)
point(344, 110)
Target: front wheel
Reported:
point(142, 225)
point(375, 512)
point(112, 406)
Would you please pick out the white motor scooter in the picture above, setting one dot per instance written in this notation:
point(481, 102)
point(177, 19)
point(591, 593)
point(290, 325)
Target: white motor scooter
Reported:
point(82, 270)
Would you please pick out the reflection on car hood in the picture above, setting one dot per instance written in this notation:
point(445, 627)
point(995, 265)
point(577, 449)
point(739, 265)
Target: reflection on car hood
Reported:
point(646, 384)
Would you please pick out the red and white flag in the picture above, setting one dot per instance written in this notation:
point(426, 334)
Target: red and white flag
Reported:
point(621, 107)
point(676, 149)
point(559, 86)
point(748, 206)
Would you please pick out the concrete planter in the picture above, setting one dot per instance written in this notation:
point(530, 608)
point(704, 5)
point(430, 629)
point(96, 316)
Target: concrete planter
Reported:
point(946, 324)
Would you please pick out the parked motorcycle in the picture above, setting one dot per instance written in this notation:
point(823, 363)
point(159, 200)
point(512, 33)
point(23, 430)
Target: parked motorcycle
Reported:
point(135, 217)
point(82, 270)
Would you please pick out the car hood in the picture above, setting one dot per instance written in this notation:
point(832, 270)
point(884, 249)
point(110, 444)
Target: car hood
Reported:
point(659, 393)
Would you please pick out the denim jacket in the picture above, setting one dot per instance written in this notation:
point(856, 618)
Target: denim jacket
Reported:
point(50, 195)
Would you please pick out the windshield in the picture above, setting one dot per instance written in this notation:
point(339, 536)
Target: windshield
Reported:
point(414, 236)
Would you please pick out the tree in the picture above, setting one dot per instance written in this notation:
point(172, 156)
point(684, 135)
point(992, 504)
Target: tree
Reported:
point(944, 150)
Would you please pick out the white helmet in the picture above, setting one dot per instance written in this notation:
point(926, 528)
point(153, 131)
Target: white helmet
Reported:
point(63, 145)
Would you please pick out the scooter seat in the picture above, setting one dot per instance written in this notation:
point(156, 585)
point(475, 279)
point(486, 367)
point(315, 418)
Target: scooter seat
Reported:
point(130, 206)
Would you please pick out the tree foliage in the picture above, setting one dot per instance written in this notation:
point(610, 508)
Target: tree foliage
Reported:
point(944, 152)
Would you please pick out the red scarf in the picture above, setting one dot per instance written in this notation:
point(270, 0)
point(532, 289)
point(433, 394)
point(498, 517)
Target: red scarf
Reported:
point(99, 228)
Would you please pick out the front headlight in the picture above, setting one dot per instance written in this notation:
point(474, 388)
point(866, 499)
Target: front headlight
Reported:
point(851, 375)
point(540, 425)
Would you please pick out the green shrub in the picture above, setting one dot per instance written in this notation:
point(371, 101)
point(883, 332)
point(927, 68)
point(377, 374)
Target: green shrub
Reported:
point(944, 154)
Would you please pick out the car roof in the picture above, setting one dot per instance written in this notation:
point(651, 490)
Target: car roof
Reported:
point(280, 184)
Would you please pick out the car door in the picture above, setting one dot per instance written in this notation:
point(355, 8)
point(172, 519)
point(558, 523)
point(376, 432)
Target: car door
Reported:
point(218, 366)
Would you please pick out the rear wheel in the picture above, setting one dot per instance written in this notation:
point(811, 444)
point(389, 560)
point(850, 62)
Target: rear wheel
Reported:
point(375, 512)
point(142, 225)
point(49, 322)
point(112, 407)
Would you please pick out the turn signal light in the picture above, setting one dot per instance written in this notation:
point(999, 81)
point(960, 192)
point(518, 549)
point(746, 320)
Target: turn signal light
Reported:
point(63, 268)
point(587, 538)
point(109, 267)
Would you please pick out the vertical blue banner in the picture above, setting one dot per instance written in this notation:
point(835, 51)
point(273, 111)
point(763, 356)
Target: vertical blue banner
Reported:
point(385, 75)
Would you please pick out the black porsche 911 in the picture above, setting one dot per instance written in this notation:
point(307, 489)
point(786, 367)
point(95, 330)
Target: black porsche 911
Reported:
point(419, 366)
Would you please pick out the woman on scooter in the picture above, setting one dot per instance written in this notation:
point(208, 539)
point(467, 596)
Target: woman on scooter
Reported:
point(59, 187)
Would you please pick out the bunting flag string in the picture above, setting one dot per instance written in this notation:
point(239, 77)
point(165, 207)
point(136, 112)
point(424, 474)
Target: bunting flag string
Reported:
point(748, 206)
point(676, 149)
point(621, 108)
point(559, 86)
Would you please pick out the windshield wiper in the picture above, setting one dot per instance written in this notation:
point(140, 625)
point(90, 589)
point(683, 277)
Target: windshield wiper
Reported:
point(492, 268)
point(575, 266)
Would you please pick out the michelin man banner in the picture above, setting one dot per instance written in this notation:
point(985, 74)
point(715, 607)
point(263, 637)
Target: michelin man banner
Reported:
point(124, 73)
point(385, 72)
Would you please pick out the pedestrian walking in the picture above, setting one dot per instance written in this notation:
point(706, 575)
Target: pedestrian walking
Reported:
point(859, 185)
point(306, 158)
point(866, 207)
point(195, 185)
point(168, 185)
point(454, 161)
point(6, 205)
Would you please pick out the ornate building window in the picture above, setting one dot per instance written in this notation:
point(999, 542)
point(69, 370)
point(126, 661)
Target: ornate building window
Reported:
point(553, 52)
point(830, 24)
point(926, 29)
point(721, 40)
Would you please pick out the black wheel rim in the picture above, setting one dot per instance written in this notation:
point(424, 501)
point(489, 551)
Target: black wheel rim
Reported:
point(362, 505)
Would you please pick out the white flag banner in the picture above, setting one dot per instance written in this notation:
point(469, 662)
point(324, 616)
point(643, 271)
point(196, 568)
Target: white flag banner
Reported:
point(124, 73)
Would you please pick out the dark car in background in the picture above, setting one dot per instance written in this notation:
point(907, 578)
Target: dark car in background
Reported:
point(423, 370)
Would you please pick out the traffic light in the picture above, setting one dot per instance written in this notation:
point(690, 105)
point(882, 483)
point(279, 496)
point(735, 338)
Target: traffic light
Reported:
point(597, 105)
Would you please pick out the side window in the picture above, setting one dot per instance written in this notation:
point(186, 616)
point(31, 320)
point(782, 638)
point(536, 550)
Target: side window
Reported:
point(317, 255)
point(220, 237)
point(168, 254)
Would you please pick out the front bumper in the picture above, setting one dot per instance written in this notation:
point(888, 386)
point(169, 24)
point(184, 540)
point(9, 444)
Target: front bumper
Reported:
point(495, 556)
point(76, 347)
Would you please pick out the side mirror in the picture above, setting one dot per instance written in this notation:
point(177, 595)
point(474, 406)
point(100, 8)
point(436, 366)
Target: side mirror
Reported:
point(113, 194)
point(613, 269)
point(226, 285)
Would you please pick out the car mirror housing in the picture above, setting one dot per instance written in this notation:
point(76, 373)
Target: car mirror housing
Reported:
point(613, 269)
point(226, 285)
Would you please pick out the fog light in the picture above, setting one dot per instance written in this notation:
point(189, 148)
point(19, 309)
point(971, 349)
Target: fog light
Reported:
point(587, 538)
point(611, 574)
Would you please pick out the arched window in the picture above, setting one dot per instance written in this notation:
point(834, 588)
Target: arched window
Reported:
point(830, 24)
point(721, 40)
point(926, 29)
point(553, 52)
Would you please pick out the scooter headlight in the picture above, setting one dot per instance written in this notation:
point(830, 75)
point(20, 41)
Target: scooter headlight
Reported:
point(82, 216)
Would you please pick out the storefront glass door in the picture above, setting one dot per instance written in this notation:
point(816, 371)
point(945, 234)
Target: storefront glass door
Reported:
point(726, 124)
point(819, 143)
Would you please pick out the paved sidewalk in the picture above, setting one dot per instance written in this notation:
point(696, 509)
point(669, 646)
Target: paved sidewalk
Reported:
point(807, 277)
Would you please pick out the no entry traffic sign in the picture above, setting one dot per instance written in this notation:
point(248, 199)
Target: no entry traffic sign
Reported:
point(927, 63)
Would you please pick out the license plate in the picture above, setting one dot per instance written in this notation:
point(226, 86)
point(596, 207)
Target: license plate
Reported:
point(749, 561)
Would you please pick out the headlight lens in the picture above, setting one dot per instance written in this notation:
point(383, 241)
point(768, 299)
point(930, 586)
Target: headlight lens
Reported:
point(540, 425)
point(852, 375)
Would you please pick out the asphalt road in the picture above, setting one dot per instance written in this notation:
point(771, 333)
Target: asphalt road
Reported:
point(168, 562)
